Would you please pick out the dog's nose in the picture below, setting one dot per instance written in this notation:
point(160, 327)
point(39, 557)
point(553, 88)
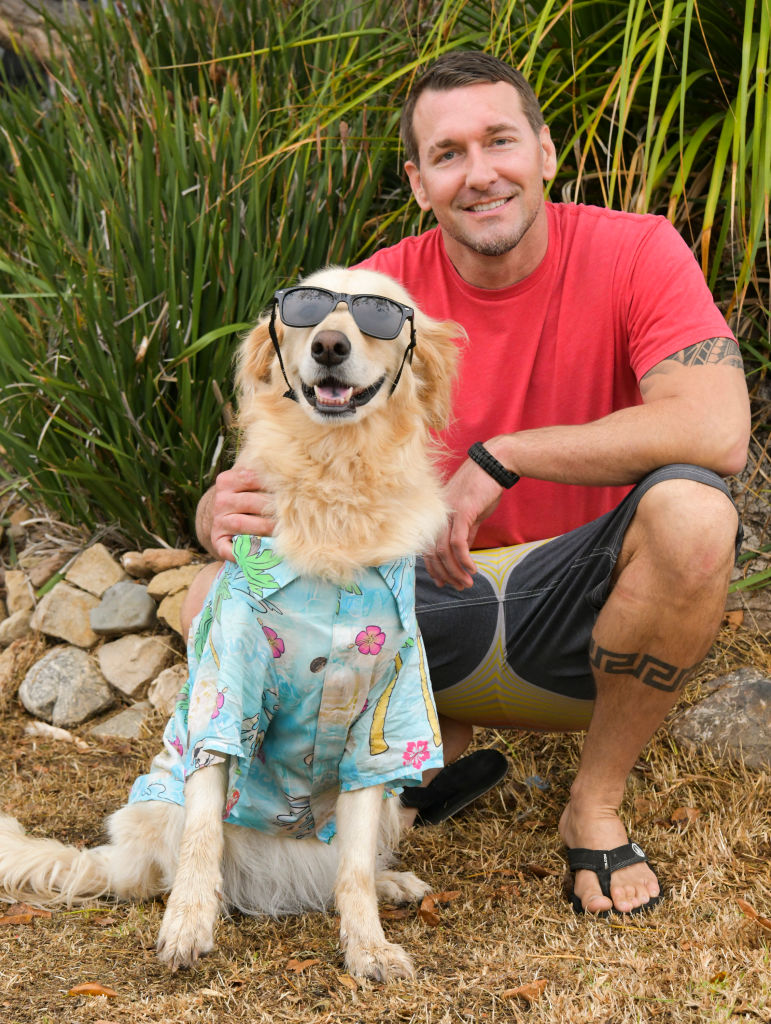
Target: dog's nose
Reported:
point(330, 348)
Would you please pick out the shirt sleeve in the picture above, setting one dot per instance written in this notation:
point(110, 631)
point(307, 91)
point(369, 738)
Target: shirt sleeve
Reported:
point(670, 306)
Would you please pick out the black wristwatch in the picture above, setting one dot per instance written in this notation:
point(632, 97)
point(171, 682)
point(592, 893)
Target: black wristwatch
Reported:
point(479, 454)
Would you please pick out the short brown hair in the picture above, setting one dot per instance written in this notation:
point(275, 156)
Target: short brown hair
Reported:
point(455, 71)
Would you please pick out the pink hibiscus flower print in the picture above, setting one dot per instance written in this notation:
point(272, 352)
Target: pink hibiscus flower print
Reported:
point(177, 744)
point(416, 753)
point(275, 641)
point(370, 640)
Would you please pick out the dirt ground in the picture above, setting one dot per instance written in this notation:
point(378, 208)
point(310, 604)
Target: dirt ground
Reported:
point(504, 944)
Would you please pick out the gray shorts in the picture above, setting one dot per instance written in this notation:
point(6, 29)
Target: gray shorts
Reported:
point(513, 650)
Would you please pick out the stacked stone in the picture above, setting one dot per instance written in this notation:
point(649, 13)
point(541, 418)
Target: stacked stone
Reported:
point(106, 636)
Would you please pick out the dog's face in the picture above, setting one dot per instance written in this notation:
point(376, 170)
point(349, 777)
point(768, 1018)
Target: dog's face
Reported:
point(338, 367)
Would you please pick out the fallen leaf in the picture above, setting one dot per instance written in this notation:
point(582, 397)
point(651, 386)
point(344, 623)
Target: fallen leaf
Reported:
point(539, 871)
point(530, 992)
point(684, 815)
point(643, 805)
point(103, 922)
point(22, 913)
point(92, 988)
point(395, 913)
point(427, 914)
point(719, 977)
point(734, 619)
point(300, 965)
point(349, 982)
point(445, 897)
point(753, 915)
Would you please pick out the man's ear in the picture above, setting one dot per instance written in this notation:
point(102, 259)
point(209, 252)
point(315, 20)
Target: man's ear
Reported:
point(549, 153)
point(416, 184)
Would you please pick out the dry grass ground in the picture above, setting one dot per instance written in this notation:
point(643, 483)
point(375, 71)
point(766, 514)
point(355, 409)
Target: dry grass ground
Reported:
point(697, 958)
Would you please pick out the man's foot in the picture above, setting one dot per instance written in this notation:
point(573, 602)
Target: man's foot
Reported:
point(630, 887)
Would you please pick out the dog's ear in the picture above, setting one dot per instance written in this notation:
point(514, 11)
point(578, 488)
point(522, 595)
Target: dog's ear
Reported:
point(256, 356)
point(434, 364)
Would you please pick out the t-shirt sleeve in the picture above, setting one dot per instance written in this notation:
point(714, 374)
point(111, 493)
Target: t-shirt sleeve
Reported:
point(670, 306)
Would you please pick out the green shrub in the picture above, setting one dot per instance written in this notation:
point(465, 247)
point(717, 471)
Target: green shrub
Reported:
point(187, 158)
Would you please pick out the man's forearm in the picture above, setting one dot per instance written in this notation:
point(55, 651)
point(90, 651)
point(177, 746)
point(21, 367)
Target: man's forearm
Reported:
point(622, 447)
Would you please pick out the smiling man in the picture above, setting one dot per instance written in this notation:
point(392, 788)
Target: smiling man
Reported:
point(601, 399)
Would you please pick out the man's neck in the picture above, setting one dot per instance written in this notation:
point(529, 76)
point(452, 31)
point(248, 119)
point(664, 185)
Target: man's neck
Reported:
point(496, 272)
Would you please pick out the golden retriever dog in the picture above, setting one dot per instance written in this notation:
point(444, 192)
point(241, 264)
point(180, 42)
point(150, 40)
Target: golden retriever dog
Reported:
point(308, 700)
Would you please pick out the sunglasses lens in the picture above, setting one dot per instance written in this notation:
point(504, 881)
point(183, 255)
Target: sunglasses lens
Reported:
point(377, 316)
point(305, 307)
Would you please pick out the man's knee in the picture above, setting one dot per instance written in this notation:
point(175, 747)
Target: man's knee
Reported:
point(196, 595)
point(688, 530)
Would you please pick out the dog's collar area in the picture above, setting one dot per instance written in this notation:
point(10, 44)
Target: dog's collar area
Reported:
point(292, 394)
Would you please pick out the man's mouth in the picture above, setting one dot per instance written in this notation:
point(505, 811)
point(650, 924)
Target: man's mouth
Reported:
point(334, 398)
point(491, 204)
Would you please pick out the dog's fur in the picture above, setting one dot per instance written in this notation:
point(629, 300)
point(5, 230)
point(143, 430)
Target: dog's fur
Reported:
point(350, 490)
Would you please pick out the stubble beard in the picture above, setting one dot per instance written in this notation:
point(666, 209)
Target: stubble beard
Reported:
point(494, 246)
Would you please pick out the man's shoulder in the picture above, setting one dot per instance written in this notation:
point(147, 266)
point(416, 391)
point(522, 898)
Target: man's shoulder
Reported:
point(601, 220)
point(413, 247)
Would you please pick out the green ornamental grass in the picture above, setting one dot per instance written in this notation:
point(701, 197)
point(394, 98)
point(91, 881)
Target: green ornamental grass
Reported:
point(185, 159)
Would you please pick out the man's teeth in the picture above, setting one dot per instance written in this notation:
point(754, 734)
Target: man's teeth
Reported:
point(481, 207)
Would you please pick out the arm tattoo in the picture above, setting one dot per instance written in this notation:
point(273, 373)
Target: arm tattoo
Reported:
point(649, 670)
point(712, 352)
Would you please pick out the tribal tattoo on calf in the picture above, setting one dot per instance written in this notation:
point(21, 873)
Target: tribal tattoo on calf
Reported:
point(653, 672)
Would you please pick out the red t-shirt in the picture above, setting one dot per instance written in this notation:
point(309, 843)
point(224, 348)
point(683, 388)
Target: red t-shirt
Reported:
point(615, 294)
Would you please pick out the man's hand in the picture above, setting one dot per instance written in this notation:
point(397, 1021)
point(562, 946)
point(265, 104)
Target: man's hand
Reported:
point(473, 495)
point(236, 504)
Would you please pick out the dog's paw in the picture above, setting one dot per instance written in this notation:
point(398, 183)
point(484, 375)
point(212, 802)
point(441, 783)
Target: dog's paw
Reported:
point(186, 934)
point(400, 887)
point(382, 962)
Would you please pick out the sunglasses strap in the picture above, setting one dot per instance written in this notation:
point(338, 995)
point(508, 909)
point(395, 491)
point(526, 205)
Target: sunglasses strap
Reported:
point(290, 393)
point(407, 352)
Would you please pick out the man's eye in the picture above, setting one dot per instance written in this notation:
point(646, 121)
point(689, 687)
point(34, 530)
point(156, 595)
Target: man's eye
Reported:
point(449, 154)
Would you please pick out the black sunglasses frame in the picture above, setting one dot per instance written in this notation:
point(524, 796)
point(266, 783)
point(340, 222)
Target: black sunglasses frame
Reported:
point(407, 312)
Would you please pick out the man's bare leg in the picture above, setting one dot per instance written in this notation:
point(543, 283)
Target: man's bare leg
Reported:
point(659, 621)
point(196, 595)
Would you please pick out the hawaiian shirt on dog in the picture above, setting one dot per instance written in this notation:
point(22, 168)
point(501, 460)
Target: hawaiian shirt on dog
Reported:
point(311, 688)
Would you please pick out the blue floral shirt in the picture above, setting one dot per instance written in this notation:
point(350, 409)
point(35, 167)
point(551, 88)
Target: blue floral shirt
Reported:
point(310, 688)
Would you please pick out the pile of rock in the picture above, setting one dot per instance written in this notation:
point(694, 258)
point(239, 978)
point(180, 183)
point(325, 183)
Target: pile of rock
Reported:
point(106, 635)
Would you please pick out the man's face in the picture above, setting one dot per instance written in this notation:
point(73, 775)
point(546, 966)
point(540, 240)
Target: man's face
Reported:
point(482, 169)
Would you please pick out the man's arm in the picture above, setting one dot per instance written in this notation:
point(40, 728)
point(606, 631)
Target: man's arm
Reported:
point(235, 504)
point(695, 409)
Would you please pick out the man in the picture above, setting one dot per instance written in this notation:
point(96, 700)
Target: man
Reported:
point(596, 361)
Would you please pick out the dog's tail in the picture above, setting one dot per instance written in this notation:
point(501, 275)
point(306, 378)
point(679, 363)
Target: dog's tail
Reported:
point(139, 862)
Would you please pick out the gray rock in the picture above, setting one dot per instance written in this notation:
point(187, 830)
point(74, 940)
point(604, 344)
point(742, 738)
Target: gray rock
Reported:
point(124, 608)
point(65, 687)
point(130, 724)
point(15, 627)
point(64, 613)
point(132, 662)
point(733, 721)
point(19, 596)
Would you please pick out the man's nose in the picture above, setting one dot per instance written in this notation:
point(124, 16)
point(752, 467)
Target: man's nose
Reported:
point(480, 171)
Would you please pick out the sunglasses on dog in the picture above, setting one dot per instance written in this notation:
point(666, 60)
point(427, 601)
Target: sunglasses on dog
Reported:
point(375, 315)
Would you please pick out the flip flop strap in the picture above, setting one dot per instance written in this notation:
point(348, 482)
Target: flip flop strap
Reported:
point(604, 862)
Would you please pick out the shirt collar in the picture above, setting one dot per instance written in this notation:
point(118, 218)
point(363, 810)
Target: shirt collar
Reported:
point(266, 571)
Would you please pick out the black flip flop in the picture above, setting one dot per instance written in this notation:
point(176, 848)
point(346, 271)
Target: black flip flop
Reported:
point(603, 863)
point(456, 786)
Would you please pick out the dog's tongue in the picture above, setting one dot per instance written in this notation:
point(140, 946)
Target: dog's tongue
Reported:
point(327, 395)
